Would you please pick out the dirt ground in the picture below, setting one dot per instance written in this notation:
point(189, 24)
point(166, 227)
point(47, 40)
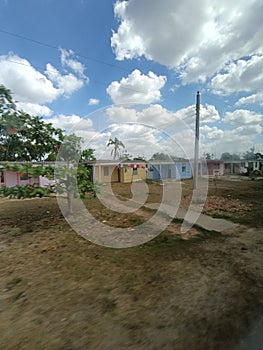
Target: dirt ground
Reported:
point(201, 291)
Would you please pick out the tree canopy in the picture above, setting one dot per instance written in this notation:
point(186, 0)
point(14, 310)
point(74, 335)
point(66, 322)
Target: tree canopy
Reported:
point(228, 156)
point(24, 137)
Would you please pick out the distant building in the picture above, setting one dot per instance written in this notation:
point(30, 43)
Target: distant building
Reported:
point(105, 171)
point(215, 167)
point(164, 170)
point(243, 166)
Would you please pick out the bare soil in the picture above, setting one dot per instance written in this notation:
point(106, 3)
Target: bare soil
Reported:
point(202, 291)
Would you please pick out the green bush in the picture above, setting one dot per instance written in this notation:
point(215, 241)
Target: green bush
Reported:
point(27, 191)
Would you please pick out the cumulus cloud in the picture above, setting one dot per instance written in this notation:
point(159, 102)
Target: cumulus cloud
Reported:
point(153, 115)
point(237, 141)
point(252, 99)
point(208, 114)
point(137, 87)
point(197, 44)
point(70, 122)
point(68, 60)
point(178, 126)
point(243, 75)
point(34, 109)
point(93, 101)
point(139, 140)
point(157, 116)
point(27, 84)
point(33, 88)
point(211, 133)
point(249, 130)
point(242, 117)
point(68, 83)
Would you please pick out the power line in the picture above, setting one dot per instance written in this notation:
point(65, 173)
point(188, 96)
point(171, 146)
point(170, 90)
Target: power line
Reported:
point(58, 48)
point(38, 42)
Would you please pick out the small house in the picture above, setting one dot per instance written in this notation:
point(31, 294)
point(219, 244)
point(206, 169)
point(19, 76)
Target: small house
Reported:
point(112, 171)
point(164, 170)
point(215, 167)
point(243, 166)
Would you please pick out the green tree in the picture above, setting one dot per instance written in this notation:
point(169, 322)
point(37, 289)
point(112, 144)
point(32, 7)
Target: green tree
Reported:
point(209, 156)
point(161, 156)
point(250, 155)
point(71, 175)
point(24, 137)
point(228, 156)
point(116, 143)
point(87, 155)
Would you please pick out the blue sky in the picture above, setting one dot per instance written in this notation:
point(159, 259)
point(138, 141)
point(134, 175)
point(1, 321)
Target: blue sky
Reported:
point(68, 61)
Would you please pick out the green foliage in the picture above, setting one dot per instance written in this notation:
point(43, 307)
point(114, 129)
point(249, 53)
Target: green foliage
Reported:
point(250, 155)
point(228, 156)
point(28, 138)
point(209, 156)
point(161, 156)
point(70, 148)
point(24, 137)
point(74, 181)
point(30, 169)
point(27, 191)
point(87, 155)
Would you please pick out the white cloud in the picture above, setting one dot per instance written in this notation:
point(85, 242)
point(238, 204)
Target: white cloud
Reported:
point(34, 109)
point(210, 133)
point(250, 130)
point(27, 84)
point(80, 126)
point(157, 116)
point(139, 140)
point(68, 59)
point(68, 83)
point(198, 44)
point(243, 75)
point(208, 114)
point(153, 115)
point(33, 88)
point(93, 101)
point(241, 117)
point(234, 141)
point(153, 129)
point(70, 122)
point(252, 99)
point(137, 88)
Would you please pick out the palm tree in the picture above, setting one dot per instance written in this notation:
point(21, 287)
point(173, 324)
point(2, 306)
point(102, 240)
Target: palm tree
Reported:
point(116, 147)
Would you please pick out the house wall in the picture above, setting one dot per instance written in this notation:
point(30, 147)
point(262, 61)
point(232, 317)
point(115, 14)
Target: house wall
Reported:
point(153, 173)
point(215, 168)
point(12, 179)
point(177, 170)
point(105, 173)
point(128, 174)
point(184, 170)
point(237, 167)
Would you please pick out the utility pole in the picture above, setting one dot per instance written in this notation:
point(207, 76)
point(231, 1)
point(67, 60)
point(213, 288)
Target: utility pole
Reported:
point(197, 119)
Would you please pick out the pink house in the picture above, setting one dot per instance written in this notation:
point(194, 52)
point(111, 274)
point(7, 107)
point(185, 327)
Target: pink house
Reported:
point(12, 179)
point(215, 167)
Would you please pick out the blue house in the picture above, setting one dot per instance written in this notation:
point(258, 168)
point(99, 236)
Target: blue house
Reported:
point(164, 170)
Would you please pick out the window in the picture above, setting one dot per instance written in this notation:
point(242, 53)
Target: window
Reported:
point(135, 171)
point(23, 176)
point(183, 168)
point(106, 171)
point(216, 166)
